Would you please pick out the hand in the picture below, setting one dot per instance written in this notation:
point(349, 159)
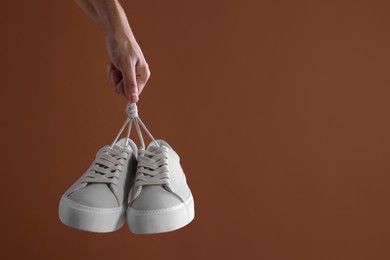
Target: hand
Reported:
point(128, 71)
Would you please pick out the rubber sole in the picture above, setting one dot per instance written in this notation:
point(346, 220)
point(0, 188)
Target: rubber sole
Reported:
point(160, 221)
point(90, 219)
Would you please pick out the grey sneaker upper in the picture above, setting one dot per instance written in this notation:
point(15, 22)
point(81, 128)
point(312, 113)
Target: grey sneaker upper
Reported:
point(106, 182)
point(160, 181)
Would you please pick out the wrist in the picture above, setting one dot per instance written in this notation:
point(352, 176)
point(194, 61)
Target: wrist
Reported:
point(122, 38)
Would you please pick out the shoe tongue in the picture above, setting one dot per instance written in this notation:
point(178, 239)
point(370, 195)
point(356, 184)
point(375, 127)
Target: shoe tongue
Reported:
point(121, 144)
point(118, 147)
point(154, 150)
point(151, 148)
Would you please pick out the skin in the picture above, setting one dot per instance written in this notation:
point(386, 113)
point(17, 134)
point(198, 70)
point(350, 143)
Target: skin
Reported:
point(128, 71)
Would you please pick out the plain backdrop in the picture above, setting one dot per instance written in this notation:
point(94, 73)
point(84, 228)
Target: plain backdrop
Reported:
point(278, 109)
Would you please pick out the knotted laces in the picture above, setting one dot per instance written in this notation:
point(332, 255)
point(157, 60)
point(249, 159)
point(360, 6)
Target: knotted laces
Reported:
point(132, 116)
point(152, 166)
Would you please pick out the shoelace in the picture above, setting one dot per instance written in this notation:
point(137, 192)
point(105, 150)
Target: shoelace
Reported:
point(107, 166)
point(152, 167)
point(132, 116)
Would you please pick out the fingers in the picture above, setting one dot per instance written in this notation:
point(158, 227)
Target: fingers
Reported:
point(116, 79)
point(129, 81)
point(143, 75)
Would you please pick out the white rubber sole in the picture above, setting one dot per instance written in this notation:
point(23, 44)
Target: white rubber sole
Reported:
point(90, 219)
point(160, 221)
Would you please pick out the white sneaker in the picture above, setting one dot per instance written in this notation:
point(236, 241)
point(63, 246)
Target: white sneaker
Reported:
point(160, 199)
point(97, 201)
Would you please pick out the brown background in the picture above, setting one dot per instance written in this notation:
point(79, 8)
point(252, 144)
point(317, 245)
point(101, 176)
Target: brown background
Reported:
point(279, 110)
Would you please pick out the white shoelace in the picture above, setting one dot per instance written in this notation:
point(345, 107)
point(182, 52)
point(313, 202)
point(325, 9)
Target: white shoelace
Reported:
point(132, 116)
point(152, 165)
point(107, 165)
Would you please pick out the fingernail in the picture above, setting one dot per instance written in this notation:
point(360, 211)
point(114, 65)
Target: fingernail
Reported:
point(134, 97)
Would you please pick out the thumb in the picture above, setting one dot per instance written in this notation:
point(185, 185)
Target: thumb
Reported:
point(130, 84)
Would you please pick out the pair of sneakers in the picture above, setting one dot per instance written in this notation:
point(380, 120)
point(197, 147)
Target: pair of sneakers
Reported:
point(145, 185)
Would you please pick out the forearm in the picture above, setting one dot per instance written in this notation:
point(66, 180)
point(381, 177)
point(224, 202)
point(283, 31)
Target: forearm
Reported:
point(110, 15)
